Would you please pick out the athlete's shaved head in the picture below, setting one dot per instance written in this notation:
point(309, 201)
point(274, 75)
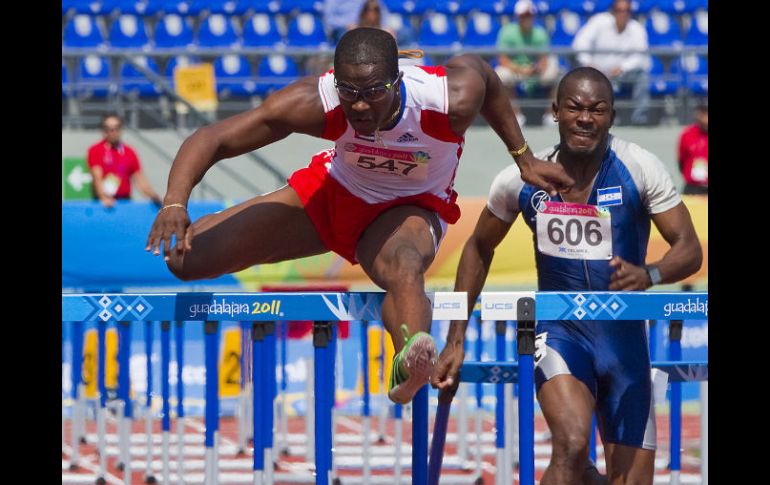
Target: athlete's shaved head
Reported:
point(366, 45)
point(589, 73)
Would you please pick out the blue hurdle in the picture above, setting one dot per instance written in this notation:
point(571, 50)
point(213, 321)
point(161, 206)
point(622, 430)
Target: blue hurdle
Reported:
point(325, 308)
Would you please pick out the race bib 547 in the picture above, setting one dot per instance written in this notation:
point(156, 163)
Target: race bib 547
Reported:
point(392, 162)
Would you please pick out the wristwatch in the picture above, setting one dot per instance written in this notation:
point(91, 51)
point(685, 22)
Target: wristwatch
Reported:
point(654, 273)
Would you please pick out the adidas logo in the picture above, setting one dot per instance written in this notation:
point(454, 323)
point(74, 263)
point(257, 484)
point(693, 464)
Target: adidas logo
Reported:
point(406, 137)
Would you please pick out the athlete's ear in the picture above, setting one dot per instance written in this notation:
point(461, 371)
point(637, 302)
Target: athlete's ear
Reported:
point(612, 119)
point(555, 109)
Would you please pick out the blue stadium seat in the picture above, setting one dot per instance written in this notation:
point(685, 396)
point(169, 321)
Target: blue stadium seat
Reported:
point(69, 6)
point(262, 6)
point(128, 32)
point(547, 7)
point(678, 7)
point(566, 26)
point(450, 7)
point(133, 81)
point(182, 7)
point(695, 71)
point(217, 30)
point(94, 77)
point(82, 31)
point(173, 30)
point(134, 7)
point(663, 30)
point(275, 72)
point(639, 7)
point(301, 6)
point(261, 30)
point(233, 75)
point(408, 7)
point(226, 7)
point(402, 27)
point(588, 7)
point(481, 30)
point(306, 30)
point(178, 61)
point(662, 82)
point(90, 7)
point(438, 30)
point(492, 7)
point(698, 33)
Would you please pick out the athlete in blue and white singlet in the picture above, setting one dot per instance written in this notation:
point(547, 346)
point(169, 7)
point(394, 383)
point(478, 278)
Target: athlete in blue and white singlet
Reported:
point(631, 184)
point(592, 237)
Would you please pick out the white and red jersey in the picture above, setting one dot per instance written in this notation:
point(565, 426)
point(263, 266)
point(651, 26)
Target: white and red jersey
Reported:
point(418, 155)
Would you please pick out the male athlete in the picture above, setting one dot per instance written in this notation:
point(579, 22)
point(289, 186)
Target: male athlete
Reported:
point(382, 197)
point(593, 238)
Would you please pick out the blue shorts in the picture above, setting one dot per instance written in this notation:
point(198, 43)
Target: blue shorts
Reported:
point(612, 359)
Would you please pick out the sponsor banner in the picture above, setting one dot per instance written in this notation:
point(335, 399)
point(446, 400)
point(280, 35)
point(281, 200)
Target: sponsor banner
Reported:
point(502, 305)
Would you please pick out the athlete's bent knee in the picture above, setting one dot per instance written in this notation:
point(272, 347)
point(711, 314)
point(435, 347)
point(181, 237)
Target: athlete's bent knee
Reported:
point(408, 266)
point(572, 448)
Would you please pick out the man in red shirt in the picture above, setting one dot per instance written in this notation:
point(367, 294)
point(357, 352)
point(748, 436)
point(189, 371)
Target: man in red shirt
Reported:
point(694, 153)
point(114, 165)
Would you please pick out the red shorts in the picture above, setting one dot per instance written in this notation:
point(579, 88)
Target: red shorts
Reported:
point(340, 217)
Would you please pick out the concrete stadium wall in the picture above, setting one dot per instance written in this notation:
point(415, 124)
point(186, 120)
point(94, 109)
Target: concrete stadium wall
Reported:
point(483, 157)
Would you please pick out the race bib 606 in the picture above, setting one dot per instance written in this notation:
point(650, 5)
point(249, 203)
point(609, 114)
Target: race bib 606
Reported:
point(574, 231)
point(392, 162)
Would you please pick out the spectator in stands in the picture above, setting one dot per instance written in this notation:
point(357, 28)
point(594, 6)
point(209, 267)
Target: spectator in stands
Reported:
point(373, 14)
point(529, 69)
point(340, 16)
point(694, 153)
point(616, 30)
point(114, 165)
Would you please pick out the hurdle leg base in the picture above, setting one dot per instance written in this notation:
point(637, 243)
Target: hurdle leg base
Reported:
point(100, 481)
point(150, 479)
point(381, 440)
point(479, 481)
point(240, 452)
point(74, 467)
point(120, 466)
point(337, 481)
point(83, 440)
point(284, 451)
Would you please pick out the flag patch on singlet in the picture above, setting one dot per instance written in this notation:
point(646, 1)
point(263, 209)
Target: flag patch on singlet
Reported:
point(609, 196)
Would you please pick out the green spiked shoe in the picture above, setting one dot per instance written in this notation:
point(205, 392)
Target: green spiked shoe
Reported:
point(412, 367)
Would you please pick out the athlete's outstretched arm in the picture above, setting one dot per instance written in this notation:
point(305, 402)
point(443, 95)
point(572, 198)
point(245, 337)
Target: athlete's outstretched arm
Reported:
point(472, 272)
point(294, 109)
point(681, 260)
point(475, 88)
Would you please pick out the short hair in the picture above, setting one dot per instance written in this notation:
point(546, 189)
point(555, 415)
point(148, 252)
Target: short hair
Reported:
point(585, 72)
point(616, 2)
point(366, 45)
point(111, 115)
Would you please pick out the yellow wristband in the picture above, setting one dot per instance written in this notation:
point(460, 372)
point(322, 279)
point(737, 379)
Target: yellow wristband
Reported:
point(181, 206)
point(519, 151)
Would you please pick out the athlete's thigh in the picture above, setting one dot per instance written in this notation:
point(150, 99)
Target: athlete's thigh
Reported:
point(398, 231)
point(265, 229)
point(629, 465)
point(564, 379)
point(567, 406)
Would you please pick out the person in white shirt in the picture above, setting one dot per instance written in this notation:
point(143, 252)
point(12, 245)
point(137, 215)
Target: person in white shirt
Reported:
point(616, 30)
